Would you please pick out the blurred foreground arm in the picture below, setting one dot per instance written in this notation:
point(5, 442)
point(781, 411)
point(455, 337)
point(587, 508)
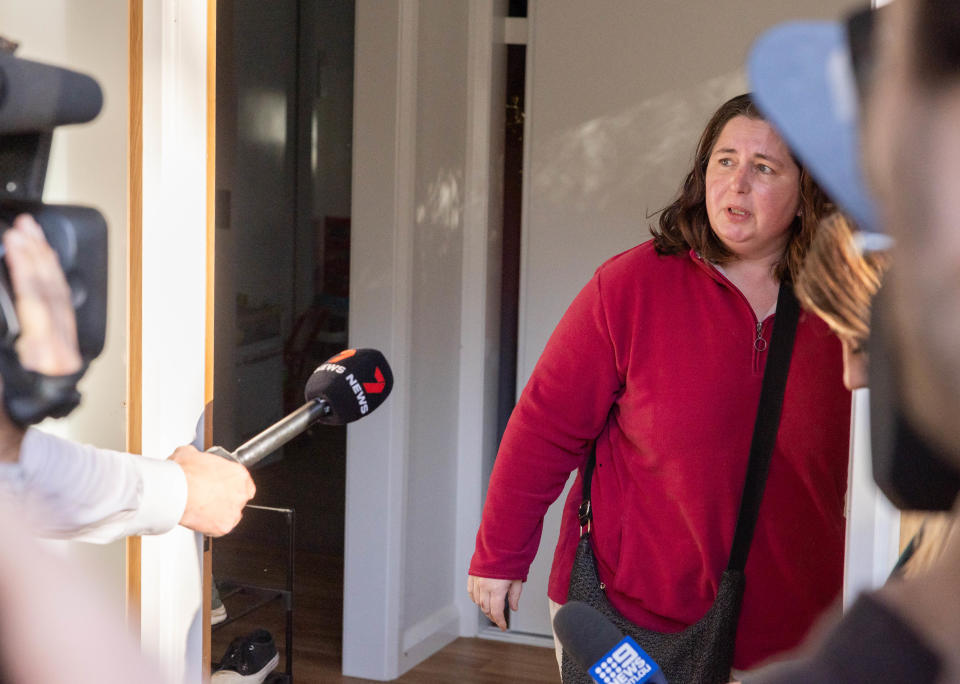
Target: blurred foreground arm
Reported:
point(78, 491)
point(56, 626)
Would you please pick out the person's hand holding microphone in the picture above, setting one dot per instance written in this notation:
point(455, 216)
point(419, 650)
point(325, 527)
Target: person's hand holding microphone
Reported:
point(217, 489)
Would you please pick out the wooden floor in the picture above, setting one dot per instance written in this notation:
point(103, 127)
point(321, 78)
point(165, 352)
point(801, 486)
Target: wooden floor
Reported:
point(318, 609)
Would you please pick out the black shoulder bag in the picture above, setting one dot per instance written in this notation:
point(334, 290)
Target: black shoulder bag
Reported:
point(703, 652)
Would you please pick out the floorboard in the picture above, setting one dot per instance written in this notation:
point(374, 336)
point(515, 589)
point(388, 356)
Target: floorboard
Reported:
point(318, 606)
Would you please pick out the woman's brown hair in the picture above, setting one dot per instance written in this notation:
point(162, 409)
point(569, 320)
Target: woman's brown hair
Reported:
point(684, 224)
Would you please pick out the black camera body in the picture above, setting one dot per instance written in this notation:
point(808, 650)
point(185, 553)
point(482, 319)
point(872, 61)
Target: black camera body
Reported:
point(35, 98)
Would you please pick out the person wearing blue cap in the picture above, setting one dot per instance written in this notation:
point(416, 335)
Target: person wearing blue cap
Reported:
point(910, 152)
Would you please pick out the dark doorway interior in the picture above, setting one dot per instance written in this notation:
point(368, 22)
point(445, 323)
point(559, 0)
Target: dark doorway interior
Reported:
point(284, 133)
point(512, 216)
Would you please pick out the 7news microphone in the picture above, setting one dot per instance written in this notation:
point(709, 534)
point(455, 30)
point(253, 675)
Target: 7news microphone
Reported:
point(601, 650)
point(344, 388)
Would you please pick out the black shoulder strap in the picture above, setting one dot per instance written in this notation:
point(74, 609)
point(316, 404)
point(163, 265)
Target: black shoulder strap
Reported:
point(767, 423)
point(764, 429)
point(585, 512)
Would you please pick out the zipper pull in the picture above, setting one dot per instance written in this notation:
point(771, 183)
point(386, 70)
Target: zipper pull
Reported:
point(759, 343)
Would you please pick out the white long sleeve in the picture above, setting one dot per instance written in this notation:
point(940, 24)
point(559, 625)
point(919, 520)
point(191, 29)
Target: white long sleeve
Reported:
point(77, 491)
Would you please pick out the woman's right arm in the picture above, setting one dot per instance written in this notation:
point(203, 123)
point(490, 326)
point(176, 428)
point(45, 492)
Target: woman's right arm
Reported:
point(561, 411)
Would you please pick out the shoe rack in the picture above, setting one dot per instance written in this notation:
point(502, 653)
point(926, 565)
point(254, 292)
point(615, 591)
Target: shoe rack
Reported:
point(257, 596)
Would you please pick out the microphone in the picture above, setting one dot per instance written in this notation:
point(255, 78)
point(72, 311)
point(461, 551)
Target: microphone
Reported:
point(344, 388)
point(354, 383)
point(601, 650)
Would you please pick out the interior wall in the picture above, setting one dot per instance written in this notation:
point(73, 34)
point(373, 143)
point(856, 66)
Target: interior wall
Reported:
point(410, 197)
point(435, 339)
point(618, 93)
point(174, 306)
point(427, 188)
point(88, 165)
point(481, 286)
point(873, 523)
point(382, 224)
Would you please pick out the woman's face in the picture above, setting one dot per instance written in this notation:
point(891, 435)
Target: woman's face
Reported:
point(752, 189)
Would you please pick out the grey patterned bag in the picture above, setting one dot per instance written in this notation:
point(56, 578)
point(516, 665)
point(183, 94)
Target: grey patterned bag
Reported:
point(702, 653)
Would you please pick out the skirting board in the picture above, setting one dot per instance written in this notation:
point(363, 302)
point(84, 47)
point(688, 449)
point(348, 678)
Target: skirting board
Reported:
point(428, 636)
point(525, 638)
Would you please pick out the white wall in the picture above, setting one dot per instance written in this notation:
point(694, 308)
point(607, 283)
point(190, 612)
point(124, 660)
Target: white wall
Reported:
point(174, 308)
point(618, 93)
point(480, 287)
point(380, 302)
point(421, 202)
point(431, 505)
point(88, 165)
point(873, 523)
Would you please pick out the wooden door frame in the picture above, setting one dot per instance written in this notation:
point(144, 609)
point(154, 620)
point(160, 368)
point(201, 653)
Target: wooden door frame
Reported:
point(211, 285)
point(159, 98)
point(135, 289)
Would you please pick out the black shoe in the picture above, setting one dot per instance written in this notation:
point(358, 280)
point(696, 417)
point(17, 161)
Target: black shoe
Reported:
point(248, 660)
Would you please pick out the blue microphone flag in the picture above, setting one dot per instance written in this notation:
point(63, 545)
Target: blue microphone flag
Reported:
point(626, 663)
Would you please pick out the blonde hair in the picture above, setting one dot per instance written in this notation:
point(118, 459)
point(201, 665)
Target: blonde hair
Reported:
point(837, 282)
point(926, 544)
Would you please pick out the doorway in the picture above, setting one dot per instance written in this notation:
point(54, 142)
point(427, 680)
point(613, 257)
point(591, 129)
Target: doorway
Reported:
point(283, 185)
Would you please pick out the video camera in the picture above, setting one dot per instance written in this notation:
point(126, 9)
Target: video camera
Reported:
point(35, 98)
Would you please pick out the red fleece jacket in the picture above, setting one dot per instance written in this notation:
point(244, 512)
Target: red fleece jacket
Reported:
point(656, 360)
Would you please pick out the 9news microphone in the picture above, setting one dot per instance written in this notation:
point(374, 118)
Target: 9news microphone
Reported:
point(344, 388)
point(601, 650)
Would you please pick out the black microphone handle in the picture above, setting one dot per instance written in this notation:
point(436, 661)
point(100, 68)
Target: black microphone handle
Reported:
point(258, 447)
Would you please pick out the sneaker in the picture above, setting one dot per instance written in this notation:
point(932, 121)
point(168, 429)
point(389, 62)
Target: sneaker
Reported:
point(218, 611)
point(248, 660)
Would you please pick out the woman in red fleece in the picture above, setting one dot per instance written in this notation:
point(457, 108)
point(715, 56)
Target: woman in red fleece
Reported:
point(659, 360)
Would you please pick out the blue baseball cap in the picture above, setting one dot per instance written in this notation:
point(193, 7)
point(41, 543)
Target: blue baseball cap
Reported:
point(803, 78)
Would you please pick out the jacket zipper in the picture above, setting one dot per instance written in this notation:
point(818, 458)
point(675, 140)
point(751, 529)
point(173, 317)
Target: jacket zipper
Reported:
point(759, 346)
point(759, 343)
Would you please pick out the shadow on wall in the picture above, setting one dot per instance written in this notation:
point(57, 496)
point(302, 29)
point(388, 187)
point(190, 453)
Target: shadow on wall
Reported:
point(604, 161)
